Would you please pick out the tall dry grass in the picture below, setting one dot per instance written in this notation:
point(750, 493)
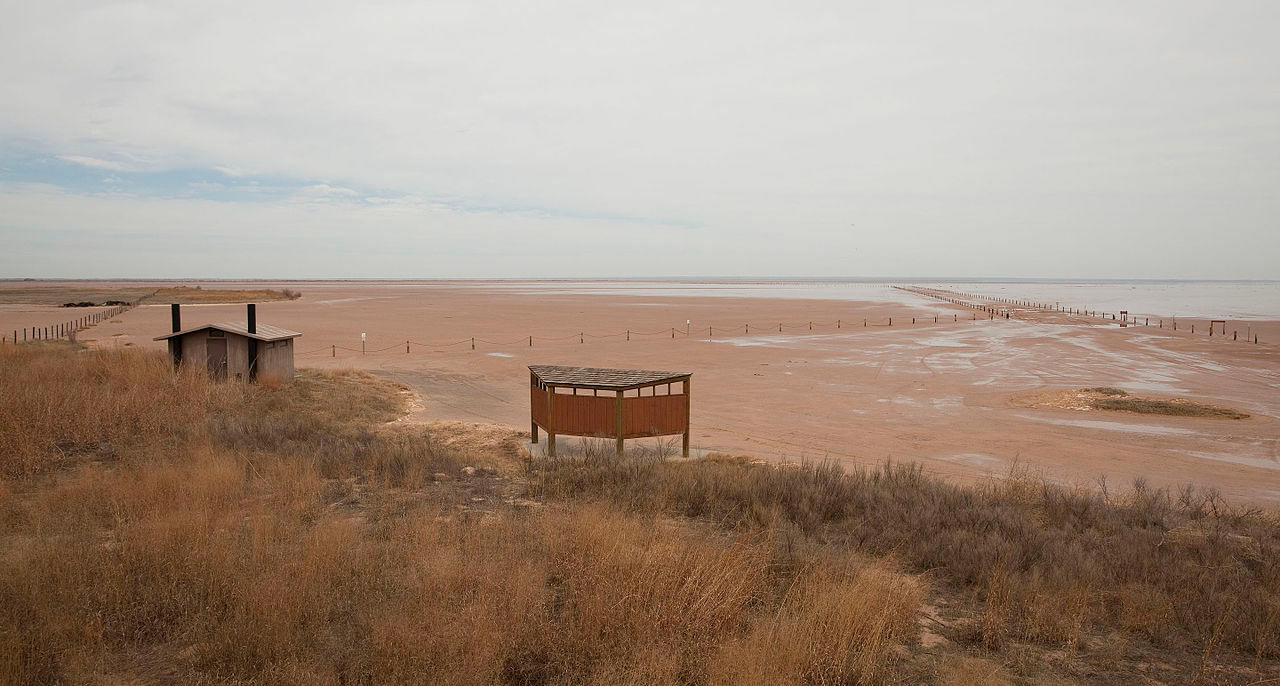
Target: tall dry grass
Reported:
point(288, 534)
point(60, 404)
point(285, 535)
point(1048, 562)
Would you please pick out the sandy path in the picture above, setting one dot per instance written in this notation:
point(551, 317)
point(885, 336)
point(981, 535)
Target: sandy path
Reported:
point(944, 394)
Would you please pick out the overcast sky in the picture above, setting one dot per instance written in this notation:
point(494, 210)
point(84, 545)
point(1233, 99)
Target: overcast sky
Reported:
point(598, 139)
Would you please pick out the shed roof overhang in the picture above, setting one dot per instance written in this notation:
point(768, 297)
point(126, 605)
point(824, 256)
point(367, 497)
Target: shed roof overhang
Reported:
point(603, 379)
point(264, 332)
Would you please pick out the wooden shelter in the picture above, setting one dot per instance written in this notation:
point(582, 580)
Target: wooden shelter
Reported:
point(568, 400)
point(240, 350)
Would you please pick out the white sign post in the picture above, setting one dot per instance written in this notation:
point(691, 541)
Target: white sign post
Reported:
point(362, 338)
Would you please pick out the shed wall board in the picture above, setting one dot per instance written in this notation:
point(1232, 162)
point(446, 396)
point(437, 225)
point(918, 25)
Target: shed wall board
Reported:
point(237, 357)
point(194, 351)
point(276, 359)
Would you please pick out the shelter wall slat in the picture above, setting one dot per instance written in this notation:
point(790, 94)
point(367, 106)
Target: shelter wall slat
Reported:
point(584, 415)
point(654, 415)
point(538, 405)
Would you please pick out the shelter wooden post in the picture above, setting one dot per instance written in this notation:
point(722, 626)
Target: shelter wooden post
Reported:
point(684, 450)
point(551, 424)
point(533, 423)
point(618, 421)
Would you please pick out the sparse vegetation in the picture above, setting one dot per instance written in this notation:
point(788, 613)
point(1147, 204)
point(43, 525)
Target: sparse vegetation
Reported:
point(1049, 563)
point(59, 294)
point(184, 295)
point(288, 533)
point(1175, 408)
point(1119, 400)
point(77, 295)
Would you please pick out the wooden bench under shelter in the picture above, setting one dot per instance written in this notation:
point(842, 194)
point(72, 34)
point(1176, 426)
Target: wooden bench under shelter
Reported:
point(568, 401)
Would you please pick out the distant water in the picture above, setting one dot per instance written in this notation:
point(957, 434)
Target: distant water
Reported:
point(1193, 299)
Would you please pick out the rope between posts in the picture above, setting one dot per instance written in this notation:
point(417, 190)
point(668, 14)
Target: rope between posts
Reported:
point(521, 340)
point(440, 345)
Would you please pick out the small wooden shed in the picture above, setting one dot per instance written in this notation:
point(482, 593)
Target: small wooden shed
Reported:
point(637, 403)
point(236, 350)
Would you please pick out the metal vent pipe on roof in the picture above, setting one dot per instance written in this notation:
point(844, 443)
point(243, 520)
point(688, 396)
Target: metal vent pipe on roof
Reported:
point(253, 342)
point(175, 313)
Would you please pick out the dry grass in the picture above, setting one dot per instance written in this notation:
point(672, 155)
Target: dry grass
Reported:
point(1173, 408)
point(55, 294)
point(184, 295)
point(1107, 390)
point(248, 534)
point(60, 404)
point(293, 533)
point(1048, 563)
point(1118, 400)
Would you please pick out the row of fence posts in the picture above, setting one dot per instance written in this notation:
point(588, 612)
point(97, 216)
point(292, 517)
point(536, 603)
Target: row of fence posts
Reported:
point(333, 348)
point(949, 296)
point(65, 330)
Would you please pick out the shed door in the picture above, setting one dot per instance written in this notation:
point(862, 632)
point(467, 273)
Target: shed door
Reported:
point(217, 358)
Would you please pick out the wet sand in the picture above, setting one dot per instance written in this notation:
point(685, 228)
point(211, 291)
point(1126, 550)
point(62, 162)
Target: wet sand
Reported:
point(946, 395)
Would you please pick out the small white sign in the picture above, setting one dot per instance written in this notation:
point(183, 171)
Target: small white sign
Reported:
point(362, 335)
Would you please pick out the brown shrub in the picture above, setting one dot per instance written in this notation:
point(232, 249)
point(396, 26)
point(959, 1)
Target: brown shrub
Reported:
point(1046, 560)
point(834, 626)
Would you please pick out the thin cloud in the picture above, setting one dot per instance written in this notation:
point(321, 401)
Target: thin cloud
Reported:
point(93, 162)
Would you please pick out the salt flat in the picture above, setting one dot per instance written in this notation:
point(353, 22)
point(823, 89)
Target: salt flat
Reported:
point(945, 394)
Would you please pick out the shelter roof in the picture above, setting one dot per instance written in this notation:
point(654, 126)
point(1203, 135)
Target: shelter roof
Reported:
point(611, 379)
point(265, 332)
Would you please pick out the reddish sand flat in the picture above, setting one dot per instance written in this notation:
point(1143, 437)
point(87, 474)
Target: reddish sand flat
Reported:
point(945, 394)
